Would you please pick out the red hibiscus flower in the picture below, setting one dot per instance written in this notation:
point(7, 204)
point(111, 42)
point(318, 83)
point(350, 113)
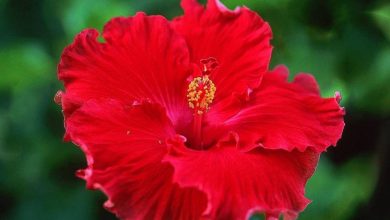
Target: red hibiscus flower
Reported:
point(183, 120)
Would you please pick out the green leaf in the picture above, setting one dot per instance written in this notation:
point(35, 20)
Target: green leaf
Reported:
point(382, 18)
point(23, 64)
point(337, 192)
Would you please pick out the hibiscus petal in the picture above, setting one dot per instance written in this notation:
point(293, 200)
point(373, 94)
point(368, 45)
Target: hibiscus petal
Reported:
point(142, 58)
point(283, 115)
point(239, 40)
point(240, 183)
point(124, 146)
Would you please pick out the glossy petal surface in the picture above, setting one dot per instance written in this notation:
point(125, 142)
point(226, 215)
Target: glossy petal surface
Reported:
point(124, 145)
point(239, 183)
point(239, 40)
point(282, 115)
point(142, 58)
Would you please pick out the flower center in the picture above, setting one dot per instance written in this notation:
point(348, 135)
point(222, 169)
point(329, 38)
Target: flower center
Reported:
point(201, 90)
point(200, 95)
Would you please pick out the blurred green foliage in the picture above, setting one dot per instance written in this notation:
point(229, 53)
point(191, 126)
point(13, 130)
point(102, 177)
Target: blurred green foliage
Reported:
point(345, 44)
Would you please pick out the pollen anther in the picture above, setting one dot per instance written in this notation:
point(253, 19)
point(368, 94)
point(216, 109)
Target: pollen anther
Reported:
point(200, 94)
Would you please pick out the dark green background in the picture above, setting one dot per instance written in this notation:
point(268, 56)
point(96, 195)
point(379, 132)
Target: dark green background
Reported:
point(345, 44)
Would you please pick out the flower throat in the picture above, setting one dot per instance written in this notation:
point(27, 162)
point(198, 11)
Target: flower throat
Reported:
point(200, 95)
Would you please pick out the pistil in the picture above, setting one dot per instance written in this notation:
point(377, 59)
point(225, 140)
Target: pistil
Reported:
point(200, 94)
point(197, 131)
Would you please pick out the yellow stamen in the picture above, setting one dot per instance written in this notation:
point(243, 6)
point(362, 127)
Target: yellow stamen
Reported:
point(200, 94)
